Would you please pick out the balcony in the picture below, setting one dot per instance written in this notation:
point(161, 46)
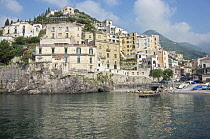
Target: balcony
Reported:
point(108, 50)
point(103, 57)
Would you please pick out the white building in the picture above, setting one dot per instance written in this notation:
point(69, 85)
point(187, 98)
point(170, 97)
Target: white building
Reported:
point(22, 29)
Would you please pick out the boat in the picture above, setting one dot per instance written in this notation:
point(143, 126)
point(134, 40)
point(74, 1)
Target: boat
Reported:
point(149, 95)
point(197, 87)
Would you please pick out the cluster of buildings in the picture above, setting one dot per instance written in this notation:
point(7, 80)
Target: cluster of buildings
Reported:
point(66, 46)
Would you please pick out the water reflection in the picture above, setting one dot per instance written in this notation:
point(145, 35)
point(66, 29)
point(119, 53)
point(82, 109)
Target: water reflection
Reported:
point(105, 115)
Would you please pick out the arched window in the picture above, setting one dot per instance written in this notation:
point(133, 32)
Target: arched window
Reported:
point(78, 51)
point(90, 51)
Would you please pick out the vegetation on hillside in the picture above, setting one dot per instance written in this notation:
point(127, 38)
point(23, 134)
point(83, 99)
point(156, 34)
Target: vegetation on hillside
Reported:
point(58, 17)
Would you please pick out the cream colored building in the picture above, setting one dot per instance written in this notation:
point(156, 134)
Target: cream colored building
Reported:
point(69, 31)
point(77, 57)
point(163, 59)
point(22, 29)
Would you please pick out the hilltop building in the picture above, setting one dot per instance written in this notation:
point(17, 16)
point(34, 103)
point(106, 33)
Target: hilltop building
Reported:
point(67, 11)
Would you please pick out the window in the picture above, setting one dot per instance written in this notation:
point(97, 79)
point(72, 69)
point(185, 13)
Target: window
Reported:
point(99, 55)
point(91, 67)
point(89, 36)
point(107, 66)
point(53, 35)
point(53, 29)
point(137, 73)
point(132, 73)
point(115, 55)
point(78, 59)
point(67, 35)
point(99, 46)
point(78, 51)
point(107, 55)
point(91, 51)
point(66, 50)
point(77, 35)
point(91, 60)
point(53, 50)
point(99, 36)
point(40, 50)
point(60, 28)
point(15, 31)
point(67, 29)
point(115, 66)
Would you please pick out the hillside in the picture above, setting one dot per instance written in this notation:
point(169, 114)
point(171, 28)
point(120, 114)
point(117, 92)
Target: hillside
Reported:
point(205, 47)
point(188, 50)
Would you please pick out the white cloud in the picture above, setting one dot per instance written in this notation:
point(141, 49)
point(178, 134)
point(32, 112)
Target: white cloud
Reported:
point(112, 2)
point(3, 19)
point(59, 3)
point(12, 5)
point(155, 14)
point(95, 10)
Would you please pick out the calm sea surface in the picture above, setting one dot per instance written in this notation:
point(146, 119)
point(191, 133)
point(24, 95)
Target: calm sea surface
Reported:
point(104, 115)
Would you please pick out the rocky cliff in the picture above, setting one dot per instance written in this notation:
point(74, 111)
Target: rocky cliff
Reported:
point(41, 80)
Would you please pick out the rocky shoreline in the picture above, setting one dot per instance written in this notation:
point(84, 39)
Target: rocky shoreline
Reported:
point(42, 80)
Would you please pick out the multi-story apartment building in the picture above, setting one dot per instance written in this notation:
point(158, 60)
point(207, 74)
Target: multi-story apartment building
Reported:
point(107, 27)
point(68, 57)
point(205, 68)
point(70, 32)
point(163, 59)
point(108, 52)
point(22, 29)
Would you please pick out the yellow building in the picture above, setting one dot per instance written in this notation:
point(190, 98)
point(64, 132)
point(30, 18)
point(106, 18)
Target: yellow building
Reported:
point(108, 52)
point(68, 56)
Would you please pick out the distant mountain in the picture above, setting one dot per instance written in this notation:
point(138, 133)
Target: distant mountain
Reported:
point(205, 47)
point(188, 50)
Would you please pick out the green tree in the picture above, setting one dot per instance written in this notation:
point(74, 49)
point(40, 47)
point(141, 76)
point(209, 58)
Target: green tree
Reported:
point(167, 74)
point(156, 73)
point(21, 40)
point(6, 22)
point(42, 33)
point(6, 52)
point(26, 56)
point(33, 40)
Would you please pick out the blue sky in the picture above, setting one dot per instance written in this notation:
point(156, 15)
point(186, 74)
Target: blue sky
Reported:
point(179, 20)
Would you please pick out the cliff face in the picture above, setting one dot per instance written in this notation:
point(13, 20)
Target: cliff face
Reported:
point(40, 79)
